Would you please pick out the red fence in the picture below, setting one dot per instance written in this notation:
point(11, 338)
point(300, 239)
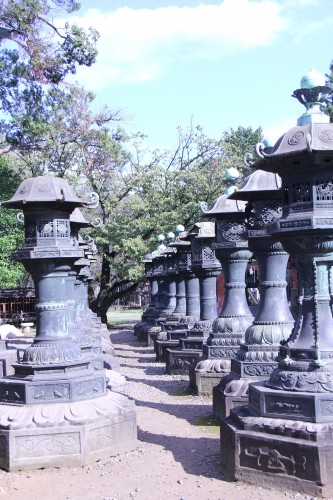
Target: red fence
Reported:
point(17, 305)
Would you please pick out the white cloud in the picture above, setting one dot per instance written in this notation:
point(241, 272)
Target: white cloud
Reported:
point(138, 44)
point(307, 18)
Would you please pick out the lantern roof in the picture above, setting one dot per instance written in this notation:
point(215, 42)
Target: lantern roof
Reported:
point(298, 141)
point(46, 189)
point(147, 258)
point(181, 240)
point(260, 185)
point(223, 206)
point(78, 219)
point(313, 132)
point(202, 230)
point(169, 250)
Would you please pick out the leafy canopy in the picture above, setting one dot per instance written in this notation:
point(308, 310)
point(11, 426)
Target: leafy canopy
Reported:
point(39, 59)
point(11, 231)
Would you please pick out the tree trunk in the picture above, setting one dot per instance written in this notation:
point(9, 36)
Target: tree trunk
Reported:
point(109, 295)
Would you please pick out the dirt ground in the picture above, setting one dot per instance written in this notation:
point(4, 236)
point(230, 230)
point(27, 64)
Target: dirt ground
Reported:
point(177, 456)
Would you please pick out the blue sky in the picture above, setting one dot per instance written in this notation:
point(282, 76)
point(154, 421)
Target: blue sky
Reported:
point(220, 64)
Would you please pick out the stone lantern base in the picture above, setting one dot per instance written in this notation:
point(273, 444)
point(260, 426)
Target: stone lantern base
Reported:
point(7, 358)
point(279, 453)
point(203, 382)
point(66, 434)
point(161, 346)
point(179, 361)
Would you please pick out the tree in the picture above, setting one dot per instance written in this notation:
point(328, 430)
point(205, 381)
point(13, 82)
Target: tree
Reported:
point(29, 74)
point(153, 197)
point(329, 82)
point(11, 231)
point(75, 139)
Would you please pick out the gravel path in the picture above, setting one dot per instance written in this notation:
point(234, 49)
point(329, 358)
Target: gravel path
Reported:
point(177, 455)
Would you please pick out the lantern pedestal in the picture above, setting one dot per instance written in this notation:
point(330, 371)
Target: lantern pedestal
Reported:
point(278, 452)
point(206, 268)
point(7, 358)
point(66, 434)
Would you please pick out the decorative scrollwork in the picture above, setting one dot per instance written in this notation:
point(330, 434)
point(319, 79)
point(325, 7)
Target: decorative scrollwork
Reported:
point(310, 381)
point(325, 191)
point(326, 135)
point(260, 149)
point(272, 212)
point(203, 206)
point(234, 231)
point(248, 160)
point(296, 138)
point(97, 222)
point(20, 217)
point(91, 244)
point(94, 201)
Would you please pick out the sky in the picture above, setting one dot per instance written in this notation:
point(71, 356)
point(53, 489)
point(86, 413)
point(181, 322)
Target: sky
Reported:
point(217, 64)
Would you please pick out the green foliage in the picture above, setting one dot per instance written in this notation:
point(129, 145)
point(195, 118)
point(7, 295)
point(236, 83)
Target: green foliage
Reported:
point(11, 231)
point(148, 198)
point(329, 108)
point(241, 142)
point(47, 54)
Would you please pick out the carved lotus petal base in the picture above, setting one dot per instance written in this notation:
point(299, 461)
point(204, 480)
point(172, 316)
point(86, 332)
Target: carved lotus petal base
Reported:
point(315, 381)
point(203, 326)
point(225, 340)
point(43, 353)
point(271, 334)
point(237, 324)
point(258, 354)
point(67, 434)
point(188, 320)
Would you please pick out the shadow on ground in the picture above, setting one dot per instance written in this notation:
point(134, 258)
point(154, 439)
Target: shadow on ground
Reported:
point(198, 456)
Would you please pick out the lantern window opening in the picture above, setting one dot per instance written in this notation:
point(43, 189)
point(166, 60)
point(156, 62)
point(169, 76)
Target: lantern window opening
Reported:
point(301, 191)
point(197, 251)
point(56, 229)
point(208, 253)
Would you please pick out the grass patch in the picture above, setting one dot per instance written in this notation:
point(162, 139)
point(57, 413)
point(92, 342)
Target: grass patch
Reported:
point(118, 316)
point(208, 422)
